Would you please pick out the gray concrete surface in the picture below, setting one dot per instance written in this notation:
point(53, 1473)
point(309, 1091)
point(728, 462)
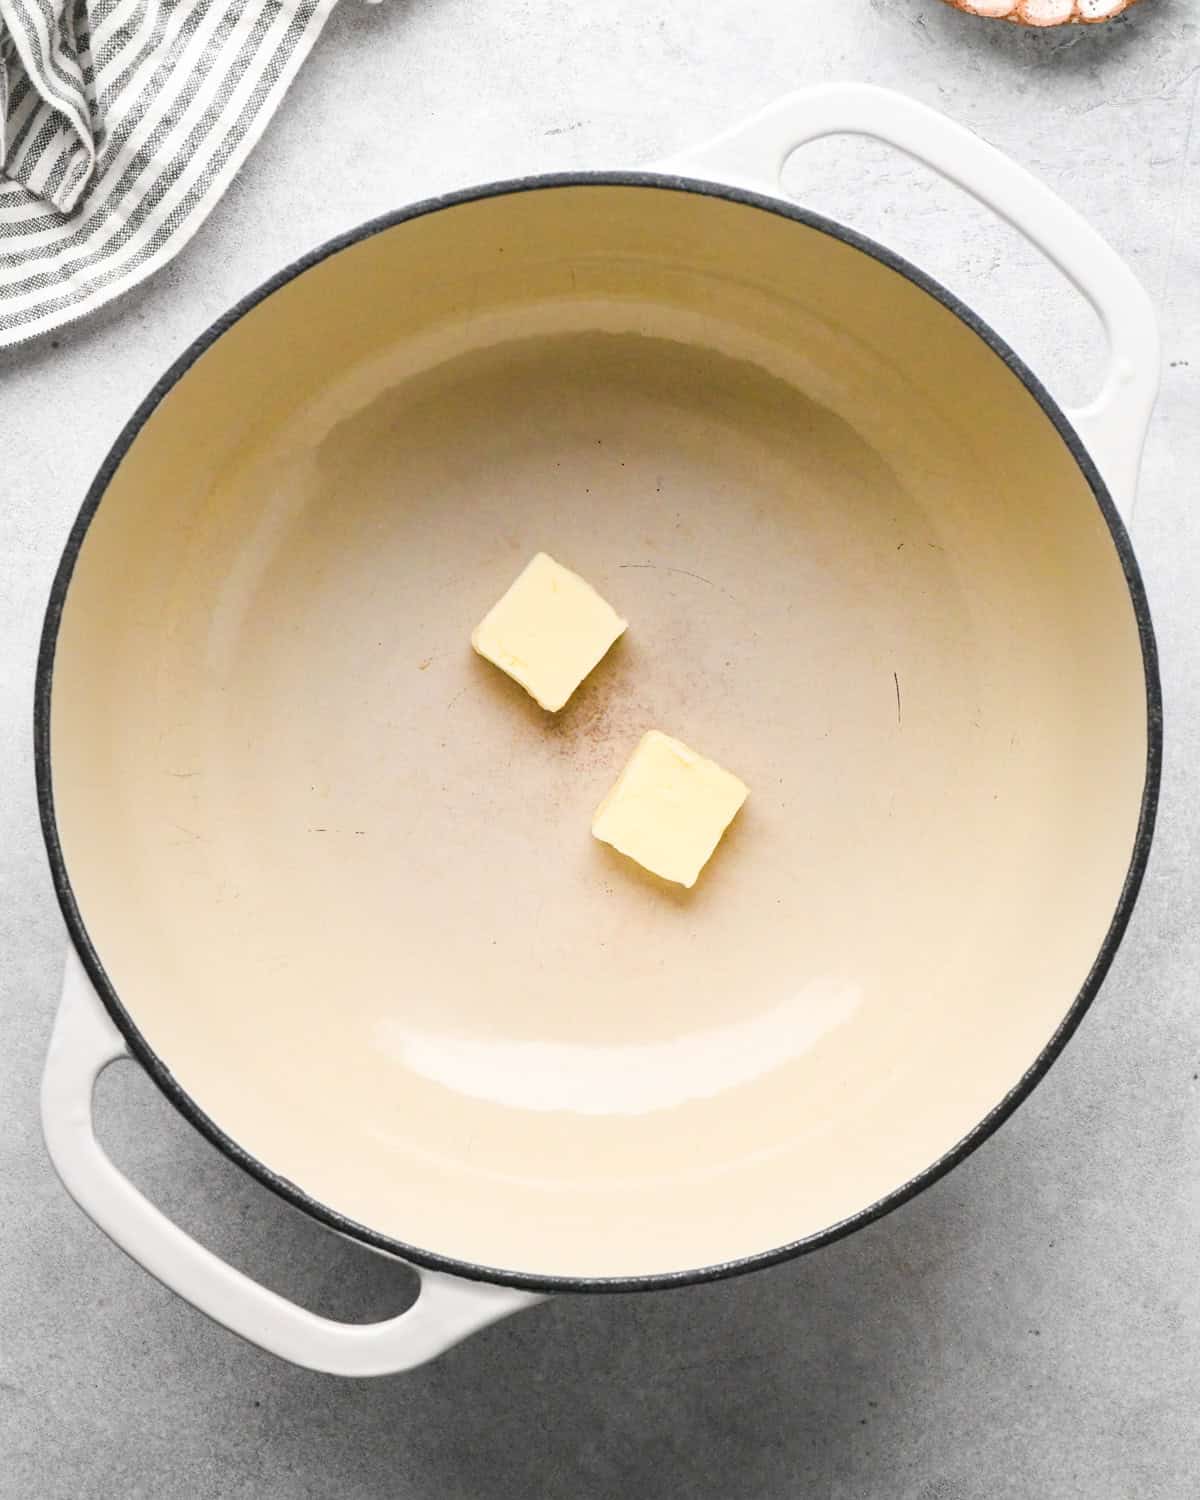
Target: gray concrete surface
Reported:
point(1028, 1328)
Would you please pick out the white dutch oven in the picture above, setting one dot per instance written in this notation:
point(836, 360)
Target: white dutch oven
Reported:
point(328, 876)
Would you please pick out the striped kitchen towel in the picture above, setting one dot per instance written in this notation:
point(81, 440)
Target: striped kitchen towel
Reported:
point(121, 124)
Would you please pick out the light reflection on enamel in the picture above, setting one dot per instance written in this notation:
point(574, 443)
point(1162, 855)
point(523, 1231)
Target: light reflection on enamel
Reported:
point(634, 1078)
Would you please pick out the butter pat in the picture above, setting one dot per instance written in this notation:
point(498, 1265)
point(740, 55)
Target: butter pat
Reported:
point(548, 631)
point(669, 808)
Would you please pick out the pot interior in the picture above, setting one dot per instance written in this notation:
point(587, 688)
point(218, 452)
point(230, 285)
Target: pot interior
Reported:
point(338, 869)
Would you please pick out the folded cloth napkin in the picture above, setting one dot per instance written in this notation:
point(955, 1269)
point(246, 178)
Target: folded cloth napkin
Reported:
point(121, 124)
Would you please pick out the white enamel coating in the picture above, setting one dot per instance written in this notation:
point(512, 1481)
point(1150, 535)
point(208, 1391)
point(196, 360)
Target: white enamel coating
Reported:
point(1112, 425)
point(85, 1040)
point(84, 1043)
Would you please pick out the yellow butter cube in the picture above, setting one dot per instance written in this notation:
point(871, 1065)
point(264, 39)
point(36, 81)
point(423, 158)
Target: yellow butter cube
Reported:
point(548, 631)
point(669, 808)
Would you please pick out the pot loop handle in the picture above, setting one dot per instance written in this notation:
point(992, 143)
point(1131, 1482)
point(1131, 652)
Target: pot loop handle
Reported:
point(83, 1043)
point(1112, 425)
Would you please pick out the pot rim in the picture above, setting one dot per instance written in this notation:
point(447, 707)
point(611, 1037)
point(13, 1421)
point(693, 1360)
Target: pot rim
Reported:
point(533, 1281)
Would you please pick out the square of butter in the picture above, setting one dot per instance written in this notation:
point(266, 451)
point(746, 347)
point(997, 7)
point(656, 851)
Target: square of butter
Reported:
point(669, 808)
point(548, 631)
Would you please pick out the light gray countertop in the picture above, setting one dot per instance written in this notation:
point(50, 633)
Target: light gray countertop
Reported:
point(1029, 1327)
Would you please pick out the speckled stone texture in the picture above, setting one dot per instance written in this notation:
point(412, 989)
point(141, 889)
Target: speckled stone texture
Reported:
point(1028, 1328)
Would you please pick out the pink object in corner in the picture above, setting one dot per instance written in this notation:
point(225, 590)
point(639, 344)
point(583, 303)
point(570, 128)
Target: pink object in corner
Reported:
point(1045, 12)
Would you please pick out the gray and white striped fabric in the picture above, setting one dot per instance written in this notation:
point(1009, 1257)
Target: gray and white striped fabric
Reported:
point(121, 124)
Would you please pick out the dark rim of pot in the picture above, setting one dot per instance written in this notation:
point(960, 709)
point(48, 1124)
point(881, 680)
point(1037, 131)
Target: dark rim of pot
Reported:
point(528, 1280)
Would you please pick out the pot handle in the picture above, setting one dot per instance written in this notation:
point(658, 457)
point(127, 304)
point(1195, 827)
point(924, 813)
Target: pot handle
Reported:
point(1113, 425)
point(83, 1043)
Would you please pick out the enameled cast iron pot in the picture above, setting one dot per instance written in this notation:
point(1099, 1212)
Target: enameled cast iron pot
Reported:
point(328, 876)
